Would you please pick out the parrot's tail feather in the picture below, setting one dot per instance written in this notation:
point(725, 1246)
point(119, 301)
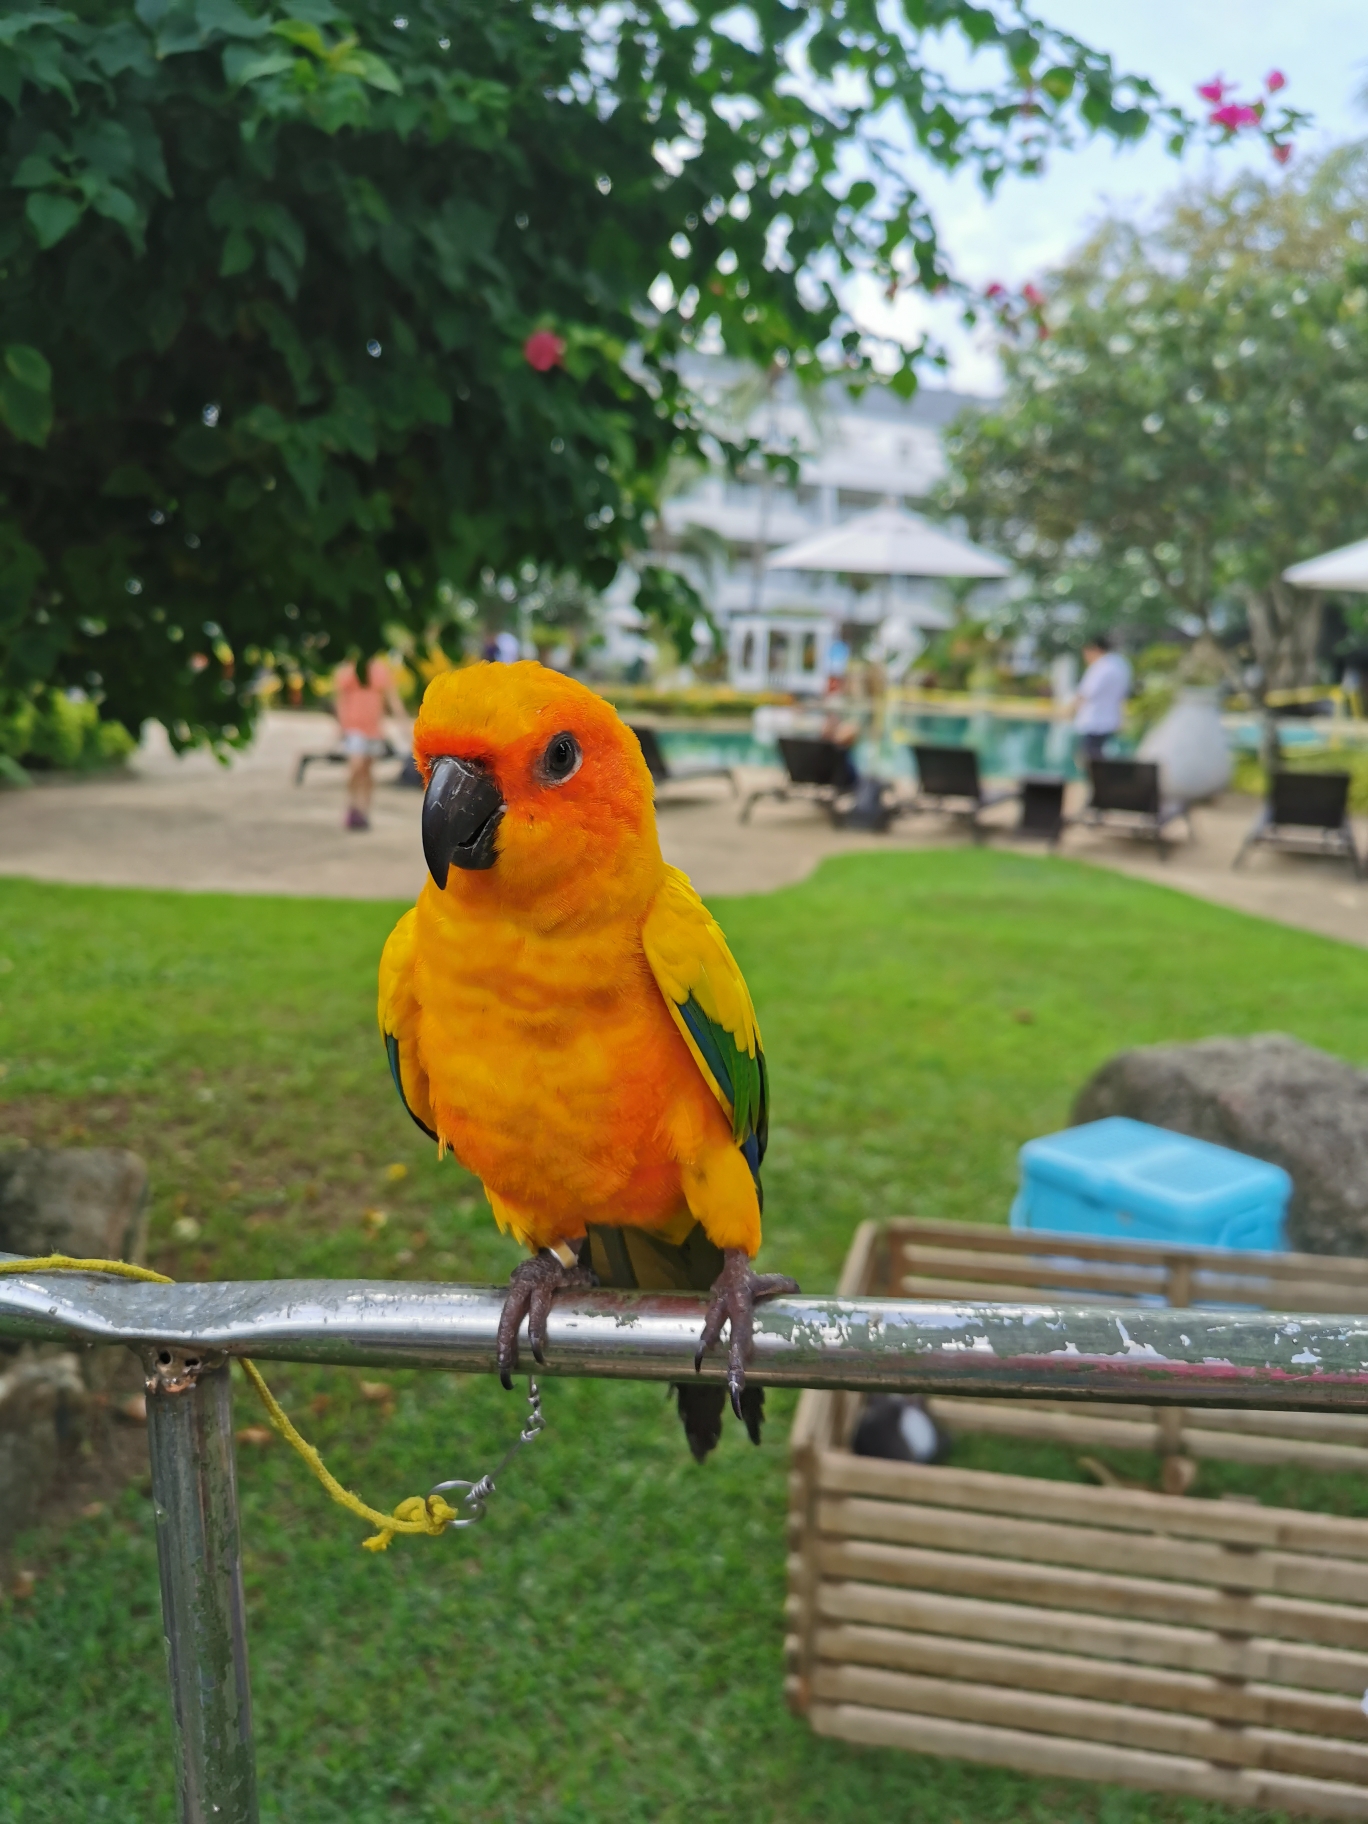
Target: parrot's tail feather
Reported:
point(700, 1409)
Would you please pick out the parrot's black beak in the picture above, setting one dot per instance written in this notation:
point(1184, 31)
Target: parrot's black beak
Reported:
point(461, 813)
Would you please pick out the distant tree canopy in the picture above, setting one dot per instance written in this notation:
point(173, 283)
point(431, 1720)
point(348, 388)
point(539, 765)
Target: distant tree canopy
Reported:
point(1187, 415)
point(312, 317)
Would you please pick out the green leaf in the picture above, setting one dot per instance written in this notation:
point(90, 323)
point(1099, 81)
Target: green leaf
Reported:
point(29, 367)
point(242, 493)
point(51, 217)
point(178, 30)
point(121, 47)
point(131, 481)
point(303, 33)
point(162, 318)
point(305, 469)
point(242, 65)
point(203, 451)
point(25, 413)
point(35, 172)
point(266, 422)
point(115, 204)
point(227, 17)
point(371, 69)
point(16, 23)
point(283, 270)
point(1058, 83)
point(238, 254)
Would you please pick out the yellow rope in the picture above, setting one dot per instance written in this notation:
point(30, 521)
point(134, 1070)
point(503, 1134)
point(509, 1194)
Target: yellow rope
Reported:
point(428, 1514)
point(418, 1514)
point(64, 1263)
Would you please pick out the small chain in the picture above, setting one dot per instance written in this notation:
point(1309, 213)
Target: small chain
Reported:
point(478, 1493)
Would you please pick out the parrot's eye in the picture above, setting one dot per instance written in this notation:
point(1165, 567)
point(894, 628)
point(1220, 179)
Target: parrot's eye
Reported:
point(562, 759)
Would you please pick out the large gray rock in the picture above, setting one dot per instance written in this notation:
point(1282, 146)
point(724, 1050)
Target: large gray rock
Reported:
point(42, 1407)
point(90, 1202)
point(1269, 1096)
point(87, 1201)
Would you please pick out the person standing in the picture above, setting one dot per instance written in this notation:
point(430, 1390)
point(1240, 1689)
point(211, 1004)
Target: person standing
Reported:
point(360, 710)
point(501, 648)
point(1100, 703)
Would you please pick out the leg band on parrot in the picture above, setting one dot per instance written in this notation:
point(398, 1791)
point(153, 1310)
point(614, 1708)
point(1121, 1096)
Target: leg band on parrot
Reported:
point(532, 1286)
point(735, 1293)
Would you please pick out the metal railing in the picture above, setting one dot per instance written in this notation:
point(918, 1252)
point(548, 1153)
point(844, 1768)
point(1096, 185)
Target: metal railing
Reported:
point(186, 1335)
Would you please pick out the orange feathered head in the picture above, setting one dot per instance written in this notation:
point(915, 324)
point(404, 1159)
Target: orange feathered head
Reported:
point(537, 795)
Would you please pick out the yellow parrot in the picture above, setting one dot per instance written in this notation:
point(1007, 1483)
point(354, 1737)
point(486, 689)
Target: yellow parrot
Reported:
point(562, 1012)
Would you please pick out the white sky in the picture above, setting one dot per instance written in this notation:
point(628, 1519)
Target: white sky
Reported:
point(1321, 46)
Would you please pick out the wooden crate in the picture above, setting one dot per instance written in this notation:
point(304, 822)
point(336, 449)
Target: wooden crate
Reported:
point(1213, 1648)
point(940, 1260)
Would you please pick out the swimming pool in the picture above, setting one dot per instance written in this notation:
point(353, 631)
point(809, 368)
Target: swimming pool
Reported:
point(1007, 746)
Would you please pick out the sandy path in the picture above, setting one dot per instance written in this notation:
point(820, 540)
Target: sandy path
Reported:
point(247, 829)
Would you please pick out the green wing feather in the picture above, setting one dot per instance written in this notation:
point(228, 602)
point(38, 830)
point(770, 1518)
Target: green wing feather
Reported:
point(710, 1003)
point(740, 1076)
point(396, 1071)
point(397, 1011)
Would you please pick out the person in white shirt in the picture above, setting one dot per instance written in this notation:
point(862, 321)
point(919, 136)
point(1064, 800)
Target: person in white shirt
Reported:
point(1101, 700)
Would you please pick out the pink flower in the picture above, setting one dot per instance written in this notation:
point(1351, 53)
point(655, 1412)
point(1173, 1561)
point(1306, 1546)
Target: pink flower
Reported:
point(1234, 115)
point(1215, 90)
point(1282, 153)
point(543, 350)
point(1033, 295)
point(996, 291)
point(1274, 81)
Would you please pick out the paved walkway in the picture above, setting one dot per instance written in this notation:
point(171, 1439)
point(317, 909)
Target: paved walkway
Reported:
point(191, 823)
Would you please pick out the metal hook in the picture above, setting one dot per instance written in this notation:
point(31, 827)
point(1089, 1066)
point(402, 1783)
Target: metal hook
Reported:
point(477, 1493)
point(471, 1500)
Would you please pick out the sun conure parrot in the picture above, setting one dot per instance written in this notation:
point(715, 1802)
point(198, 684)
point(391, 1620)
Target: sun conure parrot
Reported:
point(563, 1013)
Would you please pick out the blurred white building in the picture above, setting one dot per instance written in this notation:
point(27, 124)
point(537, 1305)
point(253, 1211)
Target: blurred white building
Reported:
point(794, 630)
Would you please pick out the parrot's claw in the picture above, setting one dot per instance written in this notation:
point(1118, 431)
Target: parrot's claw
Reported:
point(736, 1292)
point(532, 1286)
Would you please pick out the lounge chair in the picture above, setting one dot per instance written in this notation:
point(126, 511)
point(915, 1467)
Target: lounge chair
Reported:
point(1307, 813)
point(1127, 799)
point(1042, 807)
point(817, 770)
point(665, 774)
point(336, 756)
point(948, 781)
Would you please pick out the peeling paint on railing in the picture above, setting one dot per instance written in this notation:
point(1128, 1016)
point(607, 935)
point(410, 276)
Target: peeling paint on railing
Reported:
point(1189, 1356)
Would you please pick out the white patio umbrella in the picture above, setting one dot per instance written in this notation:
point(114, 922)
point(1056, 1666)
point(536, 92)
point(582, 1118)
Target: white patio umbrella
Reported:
point(888, 542)
point(1346, 568)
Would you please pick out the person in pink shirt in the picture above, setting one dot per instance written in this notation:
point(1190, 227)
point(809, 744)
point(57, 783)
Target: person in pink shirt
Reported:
point(361, 710)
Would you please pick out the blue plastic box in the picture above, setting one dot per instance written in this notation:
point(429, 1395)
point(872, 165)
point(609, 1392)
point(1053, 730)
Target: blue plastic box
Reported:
point(1133, 1182)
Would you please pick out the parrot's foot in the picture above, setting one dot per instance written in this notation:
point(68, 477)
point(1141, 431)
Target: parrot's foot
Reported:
point(532, 1286)
point(735, 1293)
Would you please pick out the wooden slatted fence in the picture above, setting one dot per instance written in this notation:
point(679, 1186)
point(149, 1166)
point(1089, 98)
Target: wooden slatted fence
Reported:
point(1217, 1649)
point(952, 1260)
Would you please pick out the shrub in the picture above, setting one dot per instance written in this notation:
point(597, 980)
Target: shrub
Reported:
point(59, 731)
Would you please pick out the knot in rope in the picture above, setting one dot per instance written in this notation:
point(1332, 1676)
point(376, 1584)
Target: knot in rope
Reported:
point(418, 1514)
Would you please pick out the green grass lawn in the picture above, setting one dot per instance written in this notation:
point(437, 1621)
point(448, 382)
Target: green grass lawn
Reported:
point(608, 1644)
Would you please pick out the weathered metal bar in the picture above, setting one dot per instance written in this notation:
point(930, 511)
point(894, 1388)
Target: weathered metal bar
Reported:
point(194, 1490)
point(1188, 1357)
